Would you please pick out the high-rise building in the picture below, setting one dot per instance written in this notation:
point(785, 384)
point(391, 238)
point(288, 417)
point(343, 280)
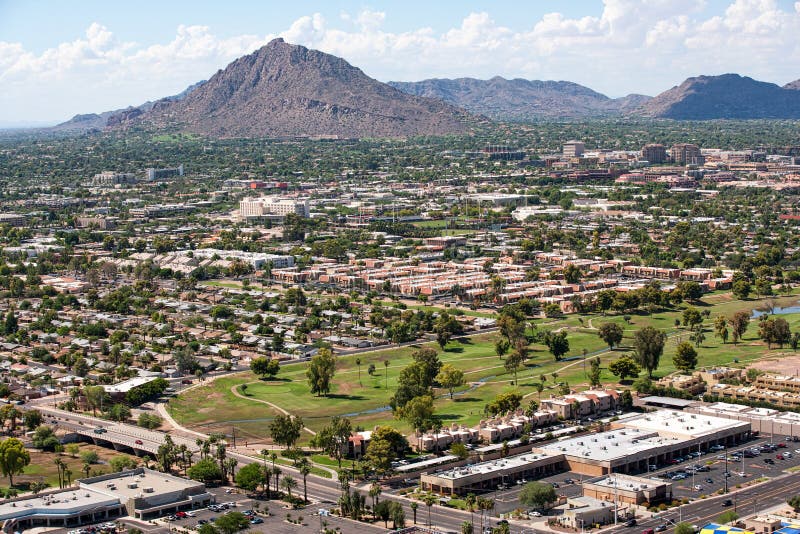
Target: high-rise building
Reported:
point(654, 153)
point(686, 154)
point(161, 174)
point(573, 149)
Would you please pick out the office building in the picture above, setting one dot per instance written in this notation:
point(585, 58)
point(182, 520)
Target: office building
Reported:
point(140, 493)
point(163, 174)
point(686, 154)
point(573, 149)
point(655, 153)
point(264, 207)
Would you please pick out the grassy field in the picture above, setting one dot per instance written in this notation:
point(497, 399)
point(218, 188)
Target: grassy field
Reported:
point(42, 466)
point(364, 398)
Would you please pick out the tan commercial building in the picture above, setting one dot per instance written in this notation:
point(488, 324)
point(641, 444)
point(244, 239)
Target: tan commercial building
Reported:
point(654, 438)
point(573, 149)
point(654, 153)
point(686, 154)
point(486, 476)
point(627, 489)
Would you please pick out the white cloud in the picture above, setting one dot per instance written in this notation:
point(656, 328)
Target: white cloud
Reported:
point(632, 46)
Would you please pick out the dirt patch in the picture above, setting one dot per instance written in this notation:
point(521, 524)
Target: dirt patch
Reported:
point(785, 365)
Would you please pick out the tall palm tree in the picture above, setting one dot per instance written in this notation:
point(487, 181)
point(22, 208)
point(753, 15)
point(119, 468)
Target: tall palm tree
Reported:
point(429, 501)
point(414, 506)
point(276, 473)
point(289, 483)
point(470, 502)
point(305, 470)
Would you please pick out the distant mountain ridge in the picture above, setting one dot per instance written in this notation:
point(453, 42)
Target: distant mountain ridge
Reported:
point(729, 96)
point(284, 90)
point(520, 100)
point(99, 121)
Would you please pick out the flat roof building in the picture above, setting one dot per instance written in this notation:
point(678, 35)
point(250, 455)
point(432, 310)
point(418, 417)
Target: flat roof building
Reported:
point(141, 493)
point(488, 475)
point(627, 489)
point(654, 438)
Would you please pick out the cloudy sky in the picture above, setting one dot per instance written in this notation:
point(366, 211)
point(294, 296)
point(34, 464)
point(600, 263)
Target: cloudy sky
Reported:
point(60, 58)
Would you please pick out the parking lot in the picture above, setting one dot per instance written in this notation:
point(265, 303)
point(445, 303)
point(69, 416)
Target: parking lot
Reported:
point(685, 482)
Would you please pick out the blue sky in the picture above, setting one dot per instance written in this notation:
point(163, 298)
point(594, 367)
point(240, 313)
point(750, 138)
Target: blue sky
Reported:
point(59, 58)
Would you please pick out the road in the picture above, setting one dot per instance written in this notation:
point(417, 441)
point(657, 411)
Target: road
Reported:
point(747, 501)
point(321, 489)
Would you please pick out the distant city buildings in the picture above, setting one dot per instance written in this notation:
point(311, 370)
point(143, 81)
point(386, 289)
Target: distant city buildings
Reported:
point(655, 153)
point(686, 154)
point(107, 178)
point(163, 174)
point(573, 149)
point(267, 207)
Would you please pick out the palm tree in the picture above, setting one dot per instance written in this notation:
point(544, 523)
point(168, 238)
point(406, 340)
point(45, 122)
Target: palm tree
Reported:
point(276, 473)
point(305, 469)
point(374, 492)
point(386, 372)
point(429, 501)
point(358, 364)
point(414, 506)
point(289, 483)
point(470, 502)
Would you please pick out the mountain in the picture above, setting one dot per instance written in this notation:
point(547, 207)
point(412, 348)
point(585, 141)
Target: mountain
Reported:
point(98, 121)
point(728, 96)
point(793, 85)
point(284, 90)
point(521, 100)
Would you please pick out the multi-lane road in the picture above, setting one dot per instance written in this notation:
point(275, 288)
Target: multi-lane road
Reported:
point(778, 489)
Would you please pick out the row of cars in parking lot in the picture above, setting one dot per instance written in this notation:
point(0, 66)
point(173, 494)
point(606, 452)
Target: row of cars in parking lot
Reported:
point(104, 528)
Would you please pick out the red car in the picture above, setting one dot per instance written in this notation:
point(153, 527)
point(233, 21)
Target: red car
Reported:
point(139, 442)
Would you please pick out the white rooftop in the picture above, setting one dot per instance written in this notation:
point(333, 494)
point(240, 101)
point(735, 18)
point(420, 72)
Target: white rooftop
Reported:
point(501, 464)
point(686, 425)
point(127, 385)
point(59, 504)
point(607, 446)
point(627, 482)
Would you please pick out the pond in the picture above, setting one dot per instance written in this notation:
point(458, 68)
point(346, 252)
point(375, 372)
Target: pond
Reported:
point(777, 310)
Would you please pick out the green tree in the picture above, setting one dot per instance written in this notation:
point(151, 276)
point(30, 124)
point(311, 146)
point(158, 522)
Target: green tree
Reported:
point(691, 317)
point(265, 367)
point(31, 419)
point(418, 412)
point(684, 528)
point(594, 372)
point(572, 274)
point(288, 483)
point(285, 430)
point(320, 372)
point(206, 470)
point(119, 412)
point(13, 458)
point(333, 438)
point(741, 289)
point(727, 517)
point(450, 378)
point(649, 346)
point(148, 420)
point(739, 323)
point(505, 402)
point(685, 358)
point(624, 367)
point(537, 494)
point(610, 333)
point(122, 462)
point(250, 476)
point(557, 343)
point(95, 397)
point(231, 523)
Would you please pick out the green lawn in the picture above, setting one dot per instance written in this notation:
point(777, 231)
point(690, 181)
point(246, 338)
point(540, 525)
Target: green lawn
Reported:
point(364, 399)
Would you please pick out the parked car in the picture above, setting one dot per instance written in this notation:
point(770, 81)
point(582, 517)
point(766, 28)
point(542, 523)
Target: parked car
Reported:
point(778, 457)
point(256, 521)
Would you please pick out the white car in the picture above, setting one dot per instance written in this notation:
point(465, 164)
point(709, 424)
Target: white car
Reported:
point(535, 514)
point(698, 487)
point(797, 451)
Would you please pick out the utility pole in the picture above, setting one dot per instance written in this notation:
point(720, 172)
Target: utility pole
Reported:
point(616, 503)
